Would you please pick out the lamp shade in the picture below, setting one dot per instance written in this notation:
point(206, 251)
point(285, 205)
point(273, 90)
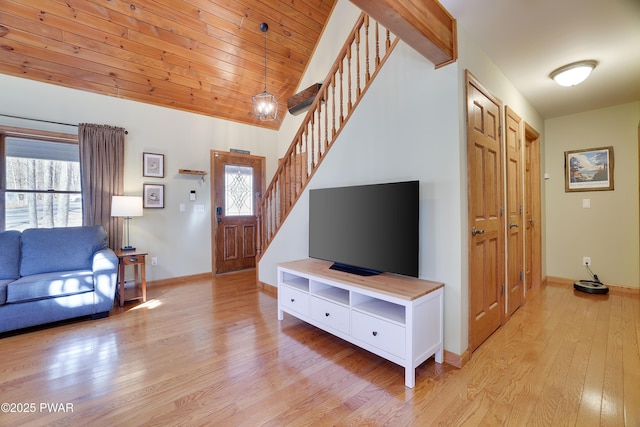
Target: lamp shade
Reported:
point(126, 206)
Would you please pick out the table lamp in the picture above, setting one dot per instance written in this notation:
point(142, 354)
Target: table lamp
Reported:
point(126, 207)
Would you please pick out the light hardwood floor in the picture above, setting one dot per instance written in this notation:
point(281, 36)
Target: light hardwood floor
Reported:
point(214, 353)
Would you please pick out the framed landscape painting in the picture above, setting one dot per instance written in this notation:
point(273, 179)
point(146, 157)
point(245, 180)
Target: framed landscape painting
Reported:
point(588, 170)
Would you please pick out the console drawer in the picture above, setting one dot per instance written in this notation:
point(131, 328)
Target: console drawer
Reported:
point(333, 315)
point(379, 333)
point(294, 299)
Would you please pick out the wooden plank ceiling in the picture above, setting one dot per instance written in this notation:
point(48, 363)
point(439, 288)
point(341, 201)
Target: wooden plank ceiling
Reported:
point(203, 56)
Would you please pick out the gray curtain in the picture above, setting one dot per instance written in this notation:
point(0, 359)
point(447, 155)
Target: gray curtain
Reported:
point(102, 175)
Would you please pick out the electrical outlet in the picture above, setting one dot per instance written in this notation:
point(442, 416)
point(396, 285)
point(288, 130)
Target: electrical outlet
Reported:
point(154, 260)
point(586, 260)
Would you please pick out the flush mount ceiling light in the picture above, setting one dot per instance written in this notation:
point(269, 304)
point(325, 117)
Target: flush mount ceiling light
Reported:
point(573, 74)
point(265, 106)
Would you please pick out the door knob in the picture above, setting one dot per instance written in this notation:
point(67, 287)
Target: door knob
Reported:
point(475, 231)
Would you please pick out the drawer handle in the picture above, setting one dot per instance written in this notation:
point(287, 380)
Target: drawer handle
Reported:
point(326, 314)
point(293, 300)
point(133, 259)
point(375, 334)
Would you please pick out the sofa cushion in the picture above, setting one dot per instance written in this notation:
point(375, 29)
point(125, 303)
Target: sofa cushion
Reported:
point(3, 289)
point(49, 285)
point(47, 250)
point(9, 254)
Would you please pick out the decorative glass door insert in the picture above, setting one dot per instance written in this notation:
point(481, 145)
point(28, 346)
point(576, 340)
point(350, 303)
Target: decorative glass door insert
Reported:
point(238, 190)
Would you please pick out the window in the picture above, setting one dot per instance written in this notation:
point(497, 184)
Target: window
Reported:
point(41, 183)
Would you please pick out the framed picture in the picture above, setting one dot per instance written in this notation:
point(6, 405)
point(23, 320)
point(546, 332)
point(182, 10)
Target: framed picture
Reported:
point(153, 165)
point(153, 196)
point(588, 170)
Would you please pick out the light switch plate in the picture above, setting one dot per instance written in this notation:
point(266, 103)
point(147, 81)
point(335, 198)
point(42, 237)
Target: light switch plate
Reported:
point(586, 203)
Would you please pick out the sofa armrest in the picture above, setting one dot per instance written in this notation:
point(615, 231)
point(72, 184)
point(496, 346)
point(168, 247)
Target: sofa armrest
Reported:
point(105, 276)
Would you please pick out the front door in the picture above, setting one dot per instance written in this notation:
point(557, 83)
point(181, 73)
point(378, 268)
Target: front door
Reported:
point(237, 188)
point(485, 195)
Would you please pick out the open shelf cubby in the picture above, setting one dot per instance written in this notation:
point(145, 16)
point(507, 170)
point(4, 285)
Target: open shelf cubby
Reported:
point(384, 310)
point(295, 281)
point(331, 293)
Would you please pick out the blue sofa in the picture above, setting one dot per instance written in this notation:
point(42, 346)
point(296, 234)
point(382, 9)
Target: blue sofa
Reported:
point(52, 274)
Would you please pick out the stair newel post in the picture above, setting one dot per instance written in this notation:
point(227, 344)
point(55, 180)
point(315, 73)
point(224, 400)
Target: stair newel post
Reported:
point(266, 226)
point(260, 233)
point(273, 212)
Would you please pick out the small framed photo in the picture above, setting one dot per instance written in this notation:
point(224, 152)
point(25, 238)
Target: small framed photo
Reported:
point(153, 165)
point(588, 170)
point(153, 196)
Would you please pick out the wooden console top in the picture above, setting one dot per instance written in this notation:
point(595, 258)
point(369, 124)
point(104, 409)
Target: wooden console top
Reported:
point(396, 285)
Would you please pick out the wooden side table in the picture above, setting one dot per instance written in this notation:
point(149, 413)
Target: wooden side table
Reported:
point(136, 258)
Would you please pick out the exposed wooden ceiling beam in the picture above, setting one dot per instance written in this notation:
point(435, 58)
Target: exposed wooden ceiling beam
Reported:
point(424, 25)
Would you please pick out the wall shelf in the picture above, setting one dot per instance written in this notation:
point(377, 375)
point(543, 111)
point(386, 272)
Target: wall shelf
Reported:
point(202, 174)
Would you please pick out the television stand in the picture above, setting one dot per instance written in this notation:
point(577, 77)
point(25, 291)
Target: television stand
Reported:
point(396, 317)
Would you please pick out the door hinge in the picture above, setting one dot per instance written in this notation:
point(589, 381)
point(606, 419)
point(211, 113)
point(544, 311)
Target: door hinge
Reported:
point(521, 276)
point(520, 209)
point(501, 210)
point(499, 130)
point(502, 289)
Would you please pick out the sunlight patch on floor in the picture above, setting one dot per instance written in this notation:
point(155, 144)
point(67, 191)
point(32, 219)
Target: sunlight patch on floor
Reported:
point(154, 303)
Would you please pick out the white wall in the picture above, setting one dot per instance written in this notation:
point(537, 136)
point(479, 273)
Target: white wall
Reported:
point(608, 231)
point(405, 128)
point(180, 240)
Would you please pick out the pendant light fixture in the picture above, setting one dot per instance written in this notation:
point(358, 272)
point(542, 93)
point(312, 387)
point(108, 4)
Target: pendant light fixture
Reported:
point(265, 105)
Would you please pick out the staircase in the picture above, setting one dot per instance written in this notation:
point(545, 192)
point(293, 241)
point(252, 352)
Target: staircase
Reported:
point(363, 54)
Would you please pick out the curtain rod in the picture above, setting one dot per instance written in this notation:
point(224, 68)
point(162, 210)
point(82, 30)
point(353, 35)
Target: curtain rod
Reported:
point(126, 132)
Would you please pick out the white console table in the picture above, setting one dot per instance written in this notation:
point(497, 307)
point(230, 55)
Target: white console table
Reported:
point(396, 317)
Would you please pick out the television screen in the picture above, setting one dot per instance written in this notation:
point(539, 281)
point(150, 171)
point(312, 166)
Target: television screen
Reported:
point(370, 228)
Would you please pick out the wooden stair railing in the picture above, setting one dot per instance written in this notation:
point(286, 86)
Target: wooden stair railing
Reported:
point(363, 54)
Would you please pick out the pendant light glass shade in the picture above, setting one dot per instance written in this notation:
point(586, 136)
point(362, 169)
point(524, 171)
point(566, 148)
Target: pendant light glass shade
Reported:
point(265, 105)
point(573, 74)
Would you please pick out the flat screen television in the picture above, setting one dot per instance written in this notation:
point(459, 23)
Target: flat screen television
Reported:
point(366, 229)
